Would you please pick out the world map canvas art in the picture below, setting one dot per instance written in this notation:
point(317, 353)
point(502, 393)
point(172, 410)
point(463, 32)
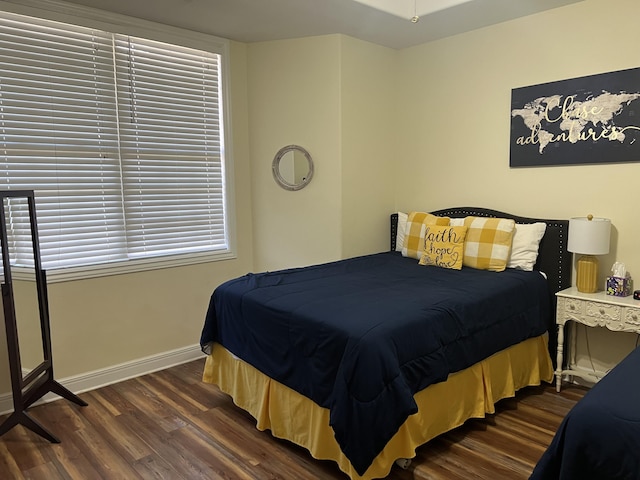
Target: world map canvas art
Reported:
point(585, 120)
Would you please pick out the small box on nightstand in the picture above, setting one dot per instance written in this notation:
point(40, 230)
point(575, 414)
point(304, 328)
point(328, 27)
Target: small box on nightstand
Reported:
point(618, 286)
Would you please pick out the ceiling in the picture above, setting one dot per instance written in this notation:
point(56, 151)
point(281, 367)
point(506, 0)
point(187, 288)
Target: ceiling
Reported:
point(261, 20)
point(411, 9)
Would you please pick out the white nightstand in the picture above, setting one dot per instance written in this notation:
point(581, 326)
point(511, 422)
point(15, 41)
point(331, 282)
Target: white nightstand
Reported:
point(621, 314)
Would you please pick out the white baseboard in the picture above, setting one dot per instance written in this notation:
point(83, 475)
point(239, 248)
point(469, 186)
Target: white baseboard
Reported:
point(116, 373)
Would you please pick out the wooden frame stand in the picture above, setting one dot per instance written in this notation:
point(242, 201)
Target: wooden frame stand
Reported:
point(27, 389)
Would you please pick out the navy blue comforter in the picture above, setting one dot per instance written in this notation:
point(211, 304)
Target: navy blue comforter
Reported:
point(599, 439)
point(361, 336)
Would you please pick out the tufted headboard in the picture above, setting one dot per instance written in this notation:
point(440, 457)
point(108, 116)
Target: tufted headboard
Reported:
point(553, 257)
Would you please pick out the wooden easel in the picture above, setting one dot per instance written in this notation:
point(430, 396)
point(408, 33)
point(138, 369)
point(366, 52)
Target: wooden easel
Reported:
point(40, 381)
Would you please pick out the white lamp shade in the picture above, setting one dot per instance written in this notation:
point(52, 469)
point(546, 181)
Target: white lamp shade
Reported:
point(589, 236)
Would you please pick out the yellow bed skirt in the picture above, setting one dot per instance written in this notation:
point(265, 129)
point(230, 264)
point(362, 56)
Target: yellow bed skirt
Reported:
point(470, 393)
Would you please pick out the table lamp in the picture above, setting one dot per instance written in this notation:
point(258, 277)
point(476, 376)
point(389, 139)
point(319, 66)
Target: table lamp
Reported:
point(588, 236)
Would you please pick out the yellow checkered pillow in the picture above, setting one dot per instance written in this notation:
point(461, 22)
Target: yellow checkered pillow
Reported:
point(414, 232)
point(487, 245)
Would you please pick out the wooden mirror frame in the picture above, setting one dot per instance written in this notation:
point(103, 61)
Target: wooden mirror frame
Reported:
point(33, 386)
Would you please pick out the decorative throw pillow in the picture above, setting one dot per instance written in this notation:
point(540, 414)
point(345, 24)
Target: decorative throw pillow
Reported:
point(488, 243)
point(524, 249)
point(414, 232)
point(443, 246)
point(402, 224)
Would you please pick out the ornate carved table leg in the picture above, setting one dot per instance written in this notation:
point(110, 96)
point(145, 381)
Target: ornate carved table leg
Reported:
point(560, 356)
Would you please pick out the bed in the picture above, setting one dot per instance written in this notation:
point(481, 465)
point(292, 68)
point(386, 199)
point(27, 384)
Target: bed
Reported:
point(600, 437)
point(339, 359)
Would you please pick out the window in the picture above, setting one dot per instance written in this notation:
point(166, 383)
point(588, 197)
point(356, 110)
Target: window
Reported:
point(122, 140)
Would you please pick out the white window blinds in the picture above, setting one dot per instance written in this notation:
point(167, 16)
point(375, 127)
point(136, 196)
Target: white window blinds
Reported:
point(121, 138)
point(170, 134)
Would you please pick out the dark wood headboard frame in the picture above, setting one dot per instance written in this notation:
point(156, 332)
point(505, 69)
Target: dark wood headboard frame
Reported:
point(553, 257)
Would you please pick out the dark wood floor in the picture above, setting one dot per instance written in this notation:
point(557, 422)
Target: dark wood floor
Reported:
point(170, 425)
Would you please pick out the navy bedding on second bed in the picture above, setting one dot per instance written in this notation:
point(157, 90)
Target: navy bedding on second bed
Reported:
point(600, 437)
point(361, 336)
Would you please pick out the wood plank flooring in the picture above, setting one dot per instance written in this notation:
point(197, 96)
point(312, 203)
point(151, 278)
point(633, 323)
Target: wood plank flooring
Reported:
point(171, 425)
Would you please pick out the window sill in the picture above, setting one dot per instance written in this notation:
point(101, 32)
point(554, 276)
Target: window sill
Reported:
point(134, 266)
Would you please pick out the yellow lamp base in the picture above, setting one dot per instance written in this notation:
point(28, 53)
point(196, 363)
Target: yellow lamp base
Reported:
point(587, 272)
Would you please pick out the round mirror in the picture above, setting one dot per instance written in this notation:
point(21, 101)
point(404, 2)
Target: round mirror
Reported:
point(292, 167)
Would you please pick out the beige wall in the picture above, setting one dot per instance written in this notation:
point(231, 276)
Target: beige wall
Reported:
point(107, 321)
point(368, 119)
point(455, 127)
point(422, 128)
point(334, 96)
point(294, 98)
point(26, 309)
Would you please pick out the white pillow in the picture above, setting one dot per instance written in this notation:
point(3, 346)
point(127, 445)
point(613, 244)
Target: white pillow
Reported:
point(402, 224)
point(524, 249)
